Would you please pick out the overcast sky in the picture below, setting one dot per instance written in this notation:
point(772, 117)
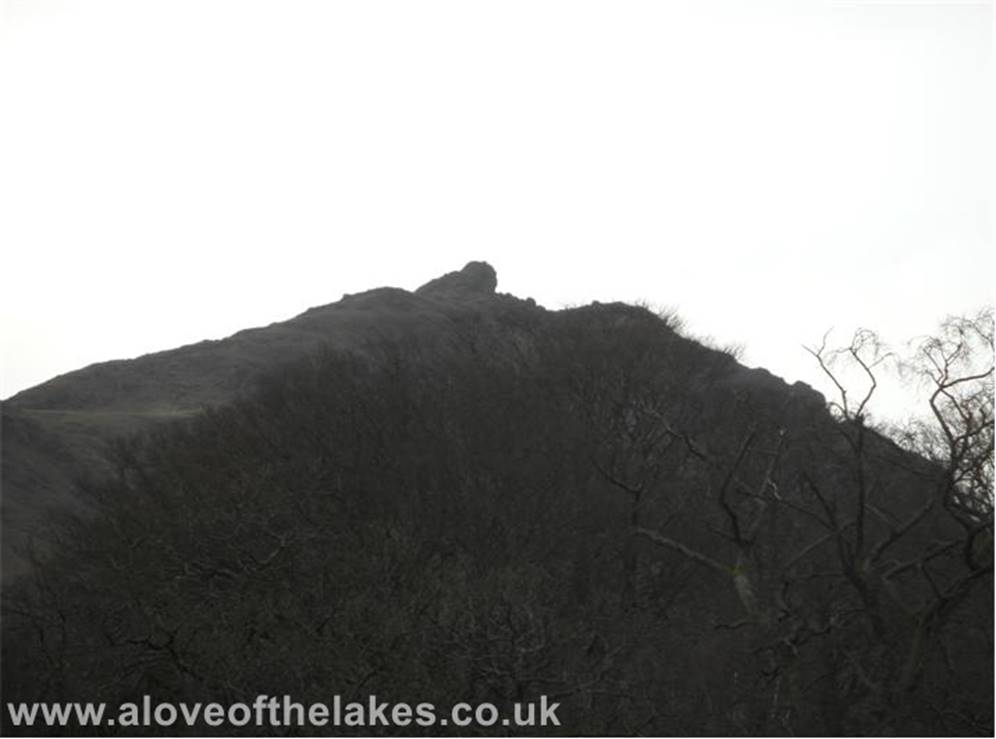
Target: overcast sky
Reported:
point(172, 171)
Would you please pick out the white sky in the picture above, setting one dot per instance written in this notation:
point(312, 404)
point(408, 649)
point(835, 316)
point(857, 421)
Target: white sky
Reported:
point(175, 170)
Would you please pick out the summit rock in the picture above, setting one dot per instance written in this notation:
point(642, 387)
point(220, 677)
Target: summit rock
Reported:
point(476, 278)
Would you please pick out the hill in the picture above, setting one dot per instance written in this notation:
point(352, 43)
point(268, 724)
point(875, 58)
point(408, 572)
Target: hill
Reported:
point(59, 431)
point(456, 495)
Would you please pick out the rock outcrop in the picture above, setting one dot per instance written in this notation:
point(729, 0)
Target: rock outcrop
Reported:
point(477, 278)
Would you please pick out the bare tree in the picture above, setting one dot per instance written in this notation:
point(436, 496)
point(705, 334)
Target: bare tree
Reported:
point(858, 539)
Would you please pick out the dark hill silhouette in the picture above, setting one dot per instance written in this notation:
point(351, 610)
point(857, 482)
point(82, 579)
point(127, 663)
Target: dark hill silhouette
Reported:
point(457, 495)
point(59, 430)
point(212, 372)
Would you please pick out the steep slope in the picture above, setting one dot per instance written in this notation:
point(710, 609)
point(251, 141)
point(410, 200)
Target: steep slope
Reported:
point(57, 431)
point(61, 430)
point(212, 372)
point(504, 502)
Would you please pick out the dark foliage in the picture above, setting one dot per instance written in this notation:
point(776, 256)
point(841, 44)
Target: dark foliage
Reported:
point(592, 508)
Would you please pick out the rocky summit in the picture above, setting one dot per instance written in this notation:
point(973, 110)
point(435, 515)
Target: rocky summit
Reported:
point(477, 278)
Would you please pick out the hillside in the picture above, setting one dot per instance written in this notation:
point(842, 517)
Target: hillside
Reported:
point(213, 372)
point(456, 495)
point(60, 430)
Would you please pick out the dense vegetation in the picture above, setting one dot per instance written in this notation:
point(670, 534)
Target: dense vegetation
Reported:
point(588, 506)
